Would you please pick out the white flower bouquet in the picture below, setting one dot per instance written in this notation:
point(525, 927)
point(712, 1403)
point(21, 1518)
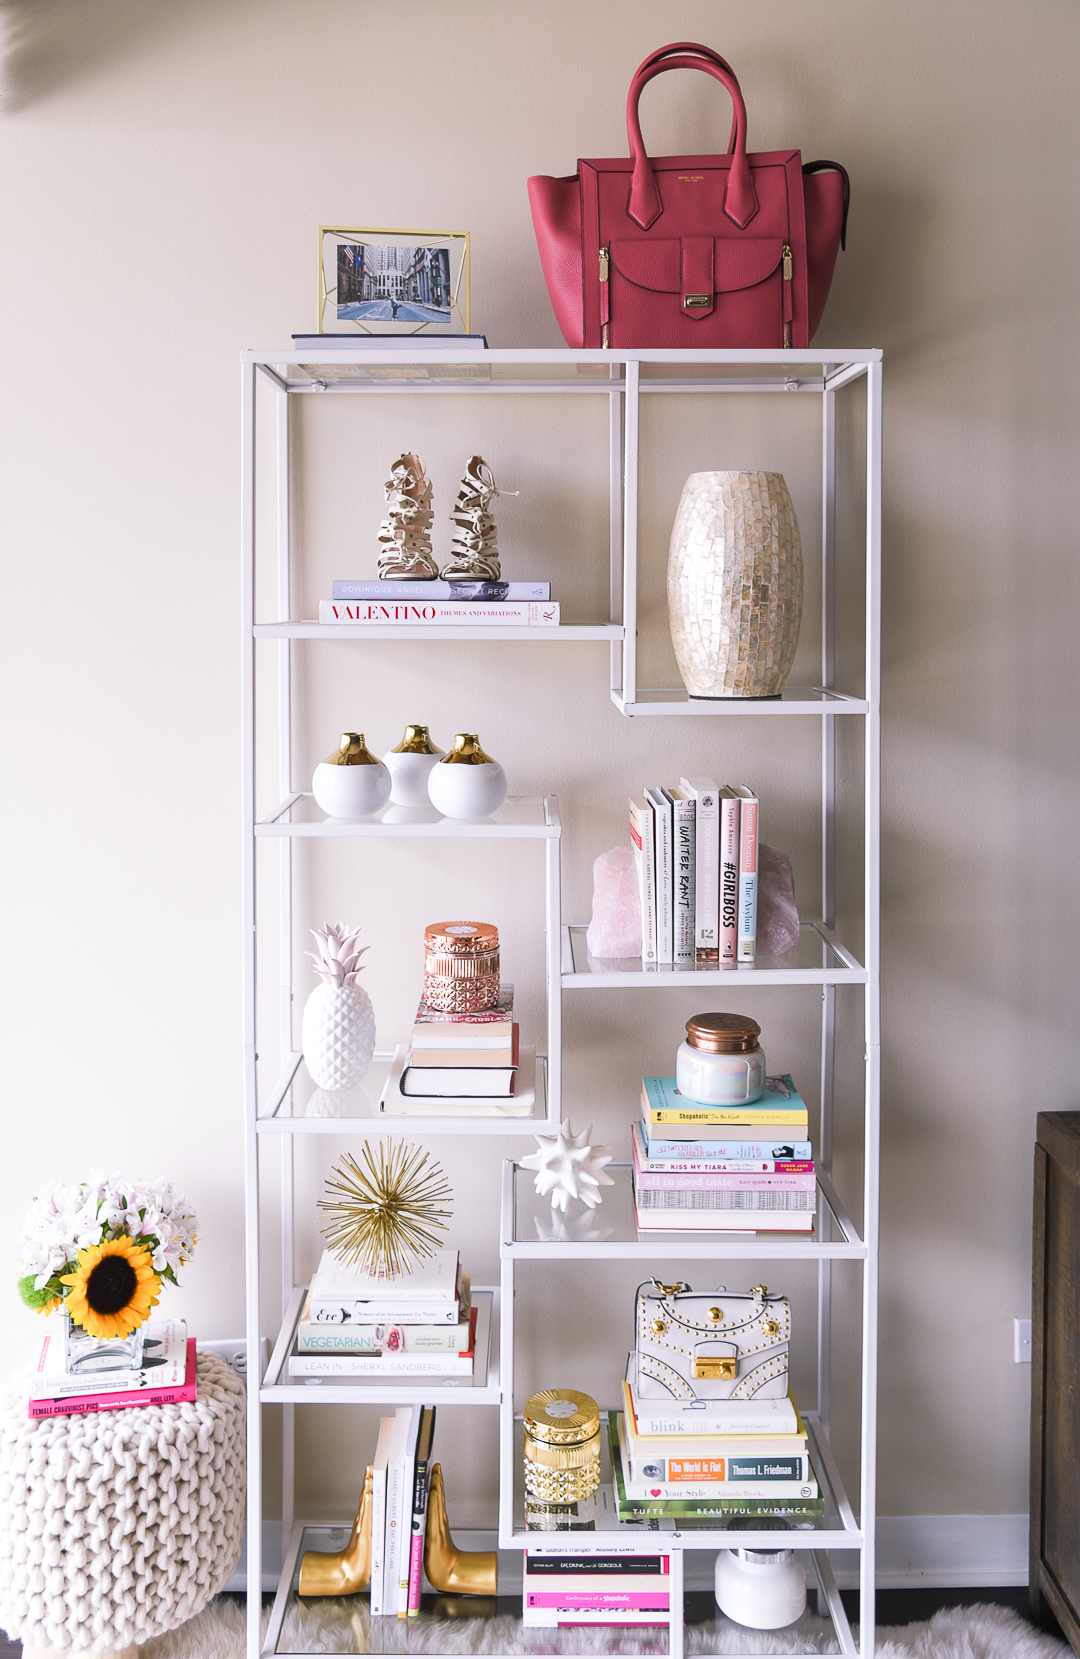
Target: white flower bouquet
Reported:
point(102, 1248)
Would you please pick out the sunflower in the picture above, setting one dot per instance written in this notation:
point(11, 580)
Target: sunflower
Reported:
point(113, 1288)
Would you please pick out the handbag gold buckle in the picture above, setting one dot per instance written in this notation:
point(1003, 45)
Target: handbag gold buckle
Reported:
point(696, 302)
point(722, 1366)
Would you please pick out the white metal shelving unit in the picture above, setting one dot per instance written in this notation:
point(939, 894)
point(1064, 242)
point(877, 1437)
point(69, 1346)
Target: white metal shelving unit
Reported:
point(822, 960)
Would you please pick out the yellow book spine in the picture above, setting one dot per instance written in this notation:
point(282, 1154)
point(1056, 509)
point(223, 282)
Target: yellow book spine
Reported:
point(789, 1117)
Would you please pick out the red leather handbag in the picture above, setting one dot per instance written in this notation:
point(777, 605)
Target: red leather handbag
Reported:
point(733, 250)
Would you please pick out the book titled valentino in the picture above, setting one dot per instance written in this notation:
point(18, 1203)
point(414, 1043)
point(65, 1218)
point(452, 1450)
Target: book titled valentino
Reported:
point(437, 612)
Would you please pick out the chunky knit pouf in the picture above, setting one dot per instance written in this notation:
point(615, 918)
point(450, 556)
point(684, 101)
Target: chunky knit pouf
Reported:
point(117, 1526)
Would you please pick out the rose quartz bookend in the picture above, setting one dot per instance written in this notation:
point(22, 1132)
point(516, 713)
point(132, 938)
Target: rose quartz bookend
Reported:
point(777, 916)
point(615, 929)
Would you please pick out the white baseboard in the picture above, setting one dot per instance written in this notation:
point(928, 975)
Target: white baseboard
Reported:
point(943, 1551)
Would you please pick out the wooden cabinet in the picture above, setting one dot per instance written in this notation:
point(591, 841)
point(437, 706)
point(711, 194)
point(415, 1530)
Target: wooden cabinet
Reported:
point(1054, 1573)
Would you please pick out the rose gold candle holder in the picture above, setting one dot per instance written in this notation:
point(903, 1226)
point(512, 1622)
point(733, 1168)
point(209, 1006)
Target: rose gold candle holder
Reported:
point(461, 967)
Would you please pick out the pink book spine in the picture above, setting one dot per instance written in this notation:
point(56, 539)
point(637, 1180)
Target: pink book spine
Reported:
point(116, 1400)
point(729, 875)
point(584, 1601)
point(724, 1183)
point(416, 1568)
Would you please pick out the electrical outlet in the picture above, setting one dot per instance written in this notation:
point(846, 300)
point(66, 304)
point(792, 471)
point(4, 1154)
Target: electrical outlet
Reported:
point(1022, 1341)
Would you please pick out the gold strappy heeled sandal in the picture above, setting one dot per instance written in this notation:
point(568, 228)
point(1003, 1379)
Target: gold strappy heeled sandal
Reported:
point(405, 533)
point(474, 551)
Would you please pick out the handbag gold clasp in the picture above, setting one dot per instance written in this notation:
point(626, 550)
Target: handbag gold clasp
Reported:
point(696, 302)
point(669, 1290)
point(722, 1366)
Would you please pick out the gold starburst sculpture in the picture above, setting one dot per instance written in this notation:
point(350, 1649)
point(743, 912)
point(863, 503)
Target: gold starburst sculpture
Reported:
point(387, 1216)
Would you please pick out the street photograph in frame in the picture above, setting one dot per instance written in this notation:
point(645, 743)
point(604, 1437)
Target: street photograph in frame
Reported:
point(393, 281)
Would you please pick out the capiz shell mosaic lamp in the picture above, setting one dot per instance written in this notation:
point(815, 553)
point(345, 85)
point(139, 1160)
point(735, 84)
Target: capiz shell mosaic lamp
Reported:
point(735, 582)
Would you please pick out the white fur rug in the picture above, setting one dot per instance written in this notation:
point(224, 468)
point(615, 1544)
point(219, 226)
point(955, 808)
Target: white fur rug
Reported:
point(981, 1632)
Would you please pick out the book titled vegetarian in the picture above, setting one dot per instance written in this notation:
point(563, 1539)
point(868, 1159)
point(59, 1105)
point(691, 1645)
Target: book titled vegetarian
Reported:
point(48, 1404)
point(507, 613)
point(394, 1362)
point(388, 1335)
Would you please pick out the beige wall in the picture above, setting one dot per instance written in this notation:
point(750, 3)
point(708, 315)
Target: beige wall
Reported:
point(164, 171)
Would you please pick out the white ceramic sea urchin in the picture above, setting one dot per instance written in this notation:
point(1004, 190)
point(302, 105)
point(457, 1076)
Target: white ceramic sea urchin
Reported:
point(568, 1167)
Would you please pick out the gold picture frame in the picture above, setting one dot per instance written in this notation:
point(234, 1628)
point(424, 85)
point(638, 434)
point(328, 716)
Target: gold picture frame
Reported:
point(400, 282)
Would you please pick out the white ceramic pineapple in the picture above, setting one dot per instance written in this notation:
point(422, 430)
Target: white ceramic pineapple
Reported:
point(338, 1030)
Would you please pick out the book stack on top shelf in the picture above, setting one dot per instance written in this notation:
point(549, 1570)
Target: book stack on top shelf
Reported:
point(696, 853)
point(74, 1377)
point(623, 1586)
point(727, 1458)
point(355, 1324)
point(463, 1064)
point(723, 1168)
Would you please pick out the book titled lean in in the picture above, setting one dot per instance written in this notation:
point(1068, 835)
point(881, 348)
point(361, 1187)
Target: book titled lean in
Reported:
point(491, 592)
point(151, 1393)
point(506, 613)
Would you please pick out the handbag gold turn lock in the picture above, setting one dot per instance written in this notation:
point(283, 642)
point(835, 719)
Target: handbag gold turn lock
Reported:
point(723, 1366)
point(696, 302)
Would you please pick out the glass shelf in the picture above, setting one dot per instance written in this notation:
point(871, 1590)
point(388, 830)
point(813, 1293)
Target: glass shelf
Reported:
point(532, 1230)
point(531, 817)
point(482, 1388)
point(792, 700)
point(564, 633)
point(820, 959)
point(837, 1524)
point(298, 1107)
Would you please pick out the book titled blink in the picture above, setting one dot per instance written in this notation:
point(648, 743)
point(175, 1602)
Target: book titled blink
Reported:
point(389, 613)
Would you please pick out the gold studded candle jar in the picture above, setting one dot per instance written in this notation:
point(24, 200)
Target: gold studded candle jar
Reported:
point(461, 967)
point(735, 584)
point(562, 1446)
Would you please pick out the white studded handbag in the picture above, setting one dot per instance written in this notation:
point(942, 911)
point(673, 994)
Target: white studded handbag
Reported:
point(715, 1345)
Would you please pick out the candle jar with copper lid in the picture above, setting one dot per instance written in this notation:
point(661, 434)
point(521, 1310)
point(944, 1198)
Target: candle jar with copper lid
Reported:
point(562, 1445)
point(461, 967)
point(721, 1062)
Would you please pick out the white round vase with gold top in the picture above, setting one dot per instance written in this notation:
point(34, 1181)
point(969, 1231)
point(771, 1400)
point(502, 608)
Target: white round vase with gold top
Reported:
point(409, 766)
point(562, 1445)
point(351, 783)
point(466, 783)
point(735, 581)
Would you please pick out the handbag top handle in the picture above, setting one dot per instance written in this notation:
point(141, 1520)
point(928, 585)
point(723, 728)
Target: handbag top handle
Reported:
point(740, 202)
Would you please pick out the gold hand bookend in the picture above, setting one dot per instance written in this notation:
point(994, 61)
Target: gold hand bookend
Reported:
point(449, 1570)
point(348, 1570)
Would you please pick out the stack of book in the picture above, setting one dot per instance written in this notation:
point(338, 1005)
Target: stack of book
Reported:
point(725, 1458)
point(624, 1585)
point(104, 1381)
point(463, 1063)
point(357, 1325)
point(401, 1471)
point(696, 852)
point(464, 603)
point(723, 1168)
